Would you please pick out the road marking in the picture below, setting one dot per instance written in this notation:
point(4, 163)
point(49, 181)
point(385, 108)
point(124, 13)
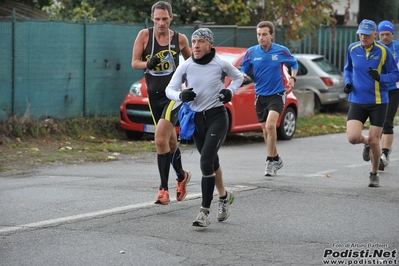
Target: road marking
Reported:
point(368, 163)
point(78, 217)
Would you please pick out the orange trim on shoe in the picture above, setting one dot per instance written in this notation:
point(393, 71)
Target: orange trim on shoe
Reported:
point(181, 187)
point(163, 197)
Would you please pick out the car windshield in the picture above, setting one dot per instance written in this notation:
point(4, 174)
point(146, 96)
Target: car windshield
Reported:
point(326, 66)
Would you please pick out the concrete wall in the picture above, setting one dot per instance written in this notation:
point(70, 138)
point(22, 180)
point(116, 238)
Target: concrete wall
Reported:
point(305, 102)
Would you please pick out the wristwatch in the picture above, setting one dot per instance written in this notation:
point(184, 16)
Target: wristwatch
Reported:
point(294, 78)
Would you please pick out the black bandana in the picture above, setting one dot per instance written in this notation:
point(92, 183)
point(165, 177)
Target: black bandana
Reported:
point(206, 58)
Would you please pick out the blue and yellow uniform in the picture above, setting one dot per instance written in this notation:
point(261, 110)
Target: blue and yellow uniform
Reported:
point(358, 61)
point(394, 47)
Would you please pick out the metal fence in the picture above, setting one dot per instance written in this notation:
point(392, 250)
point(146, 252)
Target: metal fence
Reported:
point(332, 43)
point(64, 70)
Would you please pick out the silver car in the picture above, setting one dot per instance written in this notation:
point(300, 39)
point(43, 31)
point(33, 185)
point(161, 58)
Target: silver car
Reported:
point(317, 74)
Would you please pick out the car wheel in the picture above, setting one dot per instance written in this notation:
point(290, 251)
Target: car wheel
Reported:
point(288, 124)
point(134, 135)
point(317, 104)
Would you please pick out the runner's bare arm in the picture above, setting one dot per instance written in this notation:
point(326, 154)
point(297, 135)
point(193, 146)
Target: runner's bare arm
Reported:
point(139, 45)
point(292, 81)
point(184, 46)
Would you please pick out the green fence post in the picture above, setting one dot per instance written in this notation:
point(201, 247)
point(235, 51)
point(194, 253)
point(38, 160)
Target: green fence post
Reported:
point(13, 63)
point(84, 63)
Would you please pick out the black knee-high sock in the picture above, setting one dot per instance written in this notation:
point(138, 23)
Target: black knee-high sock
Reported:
point(175, 158)
point(207, 186)
point(164, 167)
point(385, 151)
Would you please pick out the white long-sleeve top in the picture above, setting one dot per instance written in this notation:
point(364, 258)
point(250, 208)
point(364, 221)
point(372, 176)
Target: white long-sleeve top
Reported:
point(206, 81)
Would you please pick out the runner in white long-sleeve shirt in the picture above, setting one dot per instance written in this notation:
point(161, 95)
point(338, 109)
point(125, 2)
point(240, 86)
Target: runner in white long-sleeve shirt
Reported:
point(204, 75)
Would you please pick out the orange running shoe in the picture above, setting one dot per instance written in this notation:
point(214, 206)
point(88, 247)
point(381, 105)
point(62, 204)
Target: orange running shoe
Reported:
point(181, 187)
point(163, 197)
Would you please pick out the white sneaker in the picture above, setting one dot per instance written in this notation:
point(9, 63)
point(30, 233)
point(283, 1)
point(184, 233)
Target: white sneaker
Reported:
point(374, 180)
point(269, 171)
point(385, 159)
point(278, 164)
point(272, 167)
point(223, 207)
point(202, 219)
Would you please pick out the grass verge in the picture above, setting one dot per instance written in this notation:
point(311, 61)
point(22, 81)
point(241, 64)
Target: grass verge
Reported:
point(26, 144)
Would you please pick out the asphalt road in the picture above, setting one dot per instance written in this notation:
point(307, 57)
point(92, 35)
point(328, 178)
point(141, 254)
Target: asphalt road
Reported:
point(318, 209)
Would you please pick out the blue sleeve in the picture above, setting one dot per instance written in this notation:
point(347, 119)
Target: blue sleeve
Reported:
point(396, 57)
point(391, 73)
point(291, 60)
point(246, 62)
point(348, 68)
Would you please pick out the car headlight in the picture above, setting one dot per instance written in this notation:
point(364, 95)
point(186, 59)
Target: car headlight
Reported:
point(135, 89)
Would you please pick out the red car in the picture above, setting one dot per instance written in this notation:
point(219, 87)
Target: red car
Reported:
point(135, 117)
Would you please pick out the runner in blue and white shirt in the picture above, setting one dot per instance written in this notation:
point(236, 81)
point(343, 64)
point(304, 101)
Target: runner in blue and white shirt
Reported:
point(267, 60)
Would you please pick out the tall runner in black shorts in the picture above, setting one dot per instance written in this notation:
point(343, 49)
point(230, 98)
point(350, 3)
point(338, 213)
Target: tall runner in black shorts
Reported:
point(156, 50)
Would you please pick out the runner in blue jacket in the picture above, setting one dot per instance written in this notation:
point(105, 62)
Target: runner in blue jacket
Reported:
point(385, 33)
point(267, 60)
point(369, 68)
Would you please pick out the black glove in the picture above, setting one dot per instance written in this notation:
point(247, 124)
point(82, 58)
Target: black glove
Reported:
point(187, 95)
point(225, 95)
point(348, 88)
point(373, 73)
point(154, 61)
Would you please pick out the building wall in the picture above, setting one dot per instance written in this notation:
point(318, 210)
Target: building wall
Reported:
point(353, 10)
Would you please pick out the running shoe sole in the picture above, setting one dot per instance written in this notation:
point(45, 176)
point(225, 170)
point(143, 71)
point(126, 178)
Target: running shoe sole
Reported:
point(381, 167)
point(366, 153)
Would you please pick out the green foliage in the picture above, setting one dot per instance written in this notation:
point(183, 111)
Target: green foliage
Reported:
point(54, 9)
point(82, 127)
point(299, 17)
point(18, 127)
point(101, 10)
point(78, 128)
point(18, 131)
point(378, 11)
point(125, 11)
point(220, 12)
point(85, 10)
point(320, 124)
point(36, 3)
point(94, 128)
